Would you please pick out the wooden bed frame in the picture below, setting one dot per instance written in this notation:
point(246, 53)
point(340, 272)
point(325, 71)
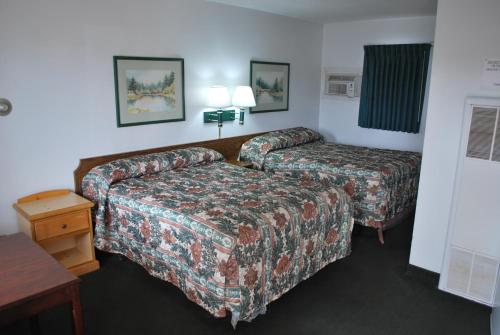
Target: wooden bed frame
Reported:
point(228, 147)
point(397, 219)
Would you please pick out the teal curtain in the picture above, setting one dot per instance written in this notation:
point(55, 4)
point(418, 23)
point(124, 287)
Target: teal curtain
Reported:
point(393, 86)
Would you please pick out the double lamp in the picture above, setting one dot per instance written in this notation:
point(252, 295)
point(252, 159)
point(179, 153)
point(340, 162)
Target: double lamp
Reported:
point(219, 98)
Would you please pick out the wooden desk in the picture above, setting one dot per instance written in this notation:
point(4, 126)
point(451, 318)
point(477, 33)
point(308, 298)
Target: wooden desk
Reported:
point(32, 281)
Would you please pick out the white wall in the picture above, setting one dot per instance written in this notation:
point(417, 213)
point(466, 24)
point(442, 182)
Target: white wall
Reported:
point(466, 33)
point(343, 48)
point(56, 67)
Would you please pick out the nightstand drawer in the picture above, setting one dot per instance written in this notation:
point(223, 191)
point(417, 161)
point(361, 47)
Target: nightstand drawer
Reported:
point(61, 224)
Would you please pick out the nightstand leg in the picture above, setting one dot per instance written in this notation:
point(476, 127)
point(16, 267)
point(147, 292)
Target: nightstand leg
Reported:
point(76, 309)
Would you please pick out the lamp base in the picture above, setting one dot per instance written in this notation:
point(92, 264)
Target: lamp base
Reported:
point(227, 115)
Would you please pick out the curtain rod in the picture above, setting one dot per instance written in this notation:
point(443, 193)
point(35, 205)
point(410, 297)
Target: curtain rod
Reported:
point(430, 42)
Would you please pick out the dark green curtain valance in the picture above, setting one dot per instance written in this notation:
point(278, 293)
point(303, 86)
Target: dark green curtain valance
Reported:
point(393, 86)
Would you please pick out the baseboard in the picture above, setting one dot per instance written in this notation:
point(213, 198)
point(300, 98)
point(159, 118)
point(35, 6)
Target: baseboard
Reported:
point(426, 276)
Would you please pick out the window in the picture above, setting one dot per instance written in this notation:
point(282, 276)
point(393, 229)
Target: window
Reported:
point(393, 86)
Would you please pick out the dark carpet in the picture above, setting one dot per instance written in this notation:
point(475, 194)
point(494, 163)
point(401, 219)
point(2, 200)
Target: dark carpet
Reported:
point(369, 292)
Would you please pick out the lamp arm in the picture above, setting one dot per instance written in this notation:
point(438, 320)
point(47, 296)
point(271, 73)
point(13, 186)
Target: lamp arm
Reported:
point(242, 116)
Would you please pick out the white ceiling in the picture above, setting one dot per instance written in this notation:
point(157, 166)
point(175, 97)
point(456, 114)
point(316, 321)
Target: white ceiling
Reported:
point(325, 11)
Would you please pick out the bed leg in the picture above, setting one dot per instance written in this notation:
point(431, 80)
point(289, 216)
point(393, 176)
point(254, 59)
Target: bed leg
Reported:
point(380, 235)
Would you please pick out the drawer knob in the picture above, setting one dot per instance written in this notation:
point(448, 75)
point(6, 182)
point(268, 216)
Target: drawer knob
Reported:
point(64, 226)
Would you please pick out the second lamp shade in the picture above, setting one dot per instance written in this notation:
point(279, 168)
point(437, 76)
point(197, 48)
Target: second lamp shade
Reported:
point(243, 97)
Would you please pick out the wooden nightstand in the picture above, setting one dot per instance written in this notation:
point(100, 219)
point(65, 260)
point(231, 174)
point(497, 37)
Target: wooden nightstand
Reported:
point(240, 163)
point(60, 222)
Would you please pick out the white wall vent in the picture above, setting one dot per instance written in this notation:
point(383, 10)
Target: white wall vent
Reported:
point(483, 278)
point(472, 275)
point(460, 268)
point(484, 137)
point(495, 154)
point(342, 84)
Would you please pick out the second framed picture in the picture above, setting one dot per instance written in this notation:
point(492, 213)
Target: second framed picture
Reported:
point(270, 85)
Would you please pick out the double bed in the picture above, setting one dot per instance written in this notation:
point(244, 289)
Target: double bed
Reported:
point(232, 239)
point(381, 183)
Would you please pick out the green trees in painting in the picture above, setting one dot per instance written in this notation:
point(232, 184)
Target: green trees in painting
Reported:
point(150, 90)
point(140, 88)
point(168, 80)
point(262, 83)
point(132, 85)
point(273, 88)
point(276, 86)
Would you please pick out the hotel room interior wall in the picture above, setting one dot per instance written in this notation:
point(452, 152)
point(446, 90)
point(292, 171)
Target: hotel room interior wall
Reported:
point(343, 48)
point(466, 34)
point(56, 67)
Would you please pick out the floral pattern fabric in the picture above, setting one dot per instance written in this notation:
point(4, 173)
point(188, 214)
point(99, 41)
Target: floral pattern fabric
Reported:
point(231, 239)
point(256, 149)
point(382, 183)
point(97, 182)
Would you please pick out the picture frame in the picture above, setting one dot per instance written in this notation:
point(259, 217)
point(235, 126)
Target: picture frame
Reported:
point(270, 82)
point(148, 90)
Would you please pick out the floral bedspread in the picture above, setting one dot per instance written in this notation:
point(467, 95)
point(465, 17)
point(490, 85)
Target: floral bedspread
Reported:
point(256, 149)
point(382, 183)
point(231, 239)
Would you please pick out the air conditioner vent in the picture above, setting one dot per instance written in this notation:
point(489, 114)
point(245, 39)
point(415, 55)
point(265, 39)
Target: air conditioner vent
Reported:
point(342, 84)
point(482, 133)
point(336, 88)
point(341, 77)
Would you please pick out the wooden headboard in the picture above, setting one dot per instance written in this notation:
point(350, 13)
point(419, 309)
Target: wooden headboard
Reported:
point(229, 147)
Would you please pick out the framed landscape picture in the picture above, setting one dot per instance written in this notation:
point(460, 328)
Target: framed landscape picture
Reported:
point(270, 85)
point(148, 90)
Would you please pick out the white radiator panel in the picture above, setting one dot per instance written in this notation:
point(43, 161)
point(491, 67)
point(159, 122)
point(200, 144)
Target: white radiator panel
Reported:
point(483, 278)
point(477, 215)
point(471, 275)
point(459, 270)
point(472, 254)
point(481, 132)
point(496, 148)
point(497, 293)
point(495, 321)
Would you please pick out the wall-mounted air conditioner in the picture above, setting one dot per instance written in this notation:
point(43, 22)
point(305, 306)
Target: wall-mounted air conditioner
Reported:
point(342, 84)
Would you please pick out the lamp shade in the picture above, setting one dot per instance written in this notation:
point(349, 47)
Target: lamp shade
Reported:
point(243, 97)
point(218, 97)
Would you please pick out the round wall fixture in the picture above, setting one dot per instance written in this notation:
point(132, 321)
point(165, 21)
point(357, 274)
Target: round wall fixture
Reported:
point(5, 107)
